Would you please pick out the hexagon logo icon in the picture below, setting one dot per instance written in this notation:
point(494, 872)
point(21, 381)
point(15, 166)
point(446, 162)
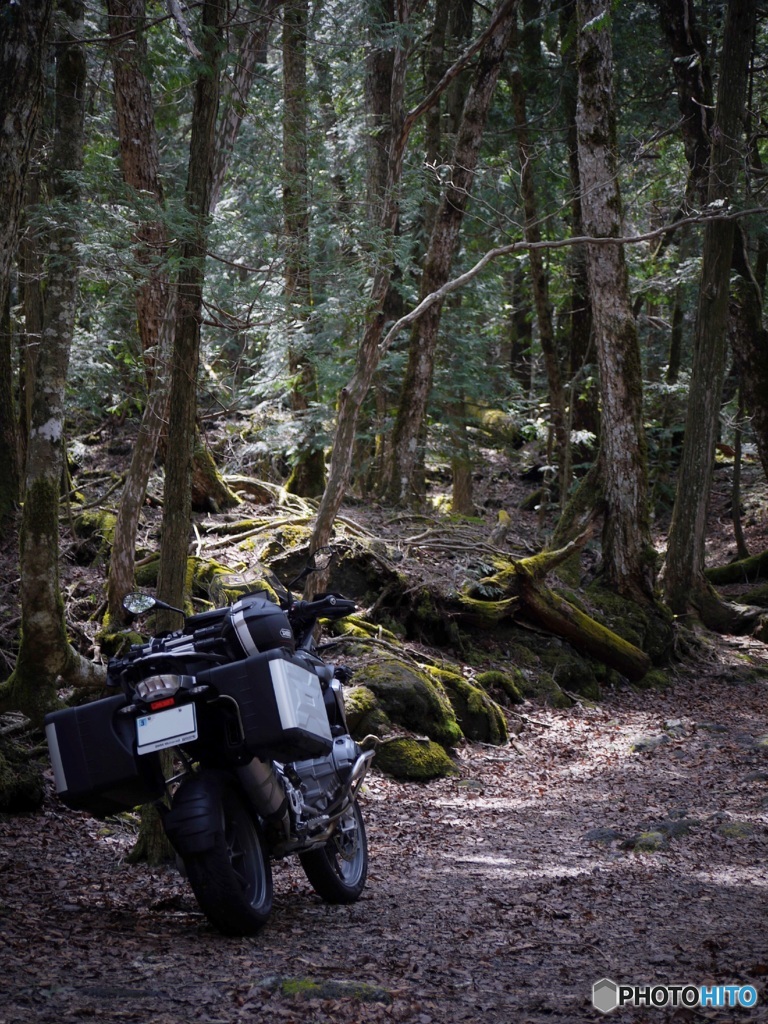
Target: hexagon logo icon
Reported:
point(605, 995)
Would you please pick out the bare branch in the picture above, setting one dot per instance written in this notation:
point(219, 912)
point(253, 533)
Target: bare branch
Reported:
point(174, 8)
point(559, 243)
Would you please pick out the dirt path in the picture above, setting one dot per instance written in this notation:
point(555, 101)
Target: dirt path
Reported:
point(498, 896)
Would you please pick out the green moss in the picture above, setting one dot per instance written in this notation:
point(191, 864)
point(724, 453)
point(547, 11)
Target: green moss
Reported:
point(96, 522)
point(572, 672)
point(648, 842)
point(503, 687)
point(648, 626)
point(331, 988)
point(354, 625)
point(479, 716)
point(146, 575)
point(364, 714)
point(96, 529)
point(656, 679)
point(413, 700)
point(736, 829)
point(416, 760)
point(543, 687)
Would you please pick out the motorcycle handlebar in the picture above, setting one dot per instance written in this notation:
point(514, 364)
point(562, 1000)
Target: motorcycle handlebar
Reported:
point(325, 606)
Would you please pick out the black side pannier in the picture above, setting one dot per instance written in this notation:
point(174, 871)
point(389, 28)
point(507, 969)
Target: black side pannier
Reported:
point(280, 702)
point(95, 764)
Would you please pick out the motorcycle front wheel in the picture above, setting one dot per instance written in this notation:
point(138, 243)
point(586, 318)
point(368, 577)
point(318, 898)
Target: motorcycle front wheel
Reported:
point(338, 870)
point(232, 882)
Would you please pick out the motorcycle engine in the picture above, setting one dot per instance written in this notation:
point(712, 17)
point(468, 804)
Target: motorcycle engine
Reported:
point(322, 778)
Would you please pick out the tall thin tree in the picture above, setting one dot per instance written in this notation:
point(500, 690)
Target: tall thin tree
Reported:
point(177, 507)
point(684, 582)
point(627, 550)
point(308, 474)
point(417, 384)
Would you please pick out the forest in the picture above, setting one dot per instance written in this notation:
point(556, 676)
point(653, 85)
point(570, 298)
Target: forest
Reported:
point(366, 255)
point(469, 294)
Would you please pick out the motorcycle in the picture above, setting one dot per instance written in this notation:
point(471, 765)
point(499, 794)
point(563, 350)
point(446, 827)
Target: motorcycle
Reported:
point(263, 765)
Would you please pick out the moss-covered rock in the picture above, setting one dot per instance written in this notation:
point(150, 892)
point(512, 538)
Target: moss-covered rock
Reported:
point(542, 686)
point(656, 679)
point(146, 575)
point(365, 716)
point(479, 716)
point(328, 988)
point(504, 687)
point(95, 530)
point(646, 842)
point(415, 760)
point(21, 780)
point(413, 700)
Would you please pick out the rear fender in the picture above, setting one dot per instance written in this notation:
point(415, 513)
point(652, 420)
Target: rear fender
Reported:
point(195, 820)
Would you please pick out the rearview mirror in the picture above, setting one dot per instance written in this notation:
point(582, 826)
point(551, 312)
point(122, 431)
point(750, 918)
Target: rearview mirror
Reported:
point(138, 604)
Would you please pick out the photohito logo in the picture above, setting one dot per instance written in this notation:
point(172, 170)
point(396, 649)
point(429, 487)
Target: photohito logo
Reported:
point(608, 996)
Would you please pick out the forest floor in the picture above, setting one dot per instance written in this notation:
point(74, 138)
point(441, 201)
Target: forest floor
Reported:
point(623, 840)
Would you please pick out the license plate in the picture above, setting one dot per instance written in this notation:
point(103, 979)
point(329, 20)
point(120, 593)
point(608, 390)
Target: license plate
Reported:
point(166, 729)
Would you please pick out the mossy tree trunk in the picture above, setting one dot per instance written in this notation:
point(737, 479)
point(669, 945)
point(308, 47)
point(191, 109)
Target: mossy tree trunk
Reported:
point(23, 49)
point(177, 507)
point(44, 652)
point(685, 584)
point(627, 550)
point(583, 410)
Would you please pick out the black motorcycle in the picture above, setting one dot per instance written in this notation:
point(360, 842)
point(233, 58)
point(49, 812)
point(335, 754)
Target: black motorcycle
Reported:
point(263, 765)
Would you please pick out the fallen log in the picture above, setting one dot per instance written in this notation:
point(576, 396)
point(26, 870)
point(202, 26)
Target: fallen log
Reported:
point(516, 589)
point(746, 570)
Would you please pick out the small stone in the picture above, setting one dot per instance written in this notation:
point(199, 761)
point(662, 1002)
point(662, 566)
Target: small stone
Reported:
point(604, 835)
point(646, 842)
point(675, 727)
point(647, 743)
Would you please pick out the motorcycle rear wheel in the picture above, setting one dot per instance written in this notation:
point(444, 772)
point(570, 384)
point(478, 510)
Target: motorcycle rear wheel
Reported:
point(338, 871)
point(232, 882)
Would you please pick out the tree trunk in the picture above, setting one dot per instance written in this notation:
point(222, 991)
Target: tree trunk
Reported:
point(308, 474)
point(252, 31)
point(177, 504)
point(627, 550)
point(685, 584)
point(32, 249)
point(121, 563)
point(540, 282)
point(690, 67)
point(140, 160)
point(583, 412)
point(44, 652)
point(10, 469)
point(23, 49)
point(417, 385)
point(749, 342)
